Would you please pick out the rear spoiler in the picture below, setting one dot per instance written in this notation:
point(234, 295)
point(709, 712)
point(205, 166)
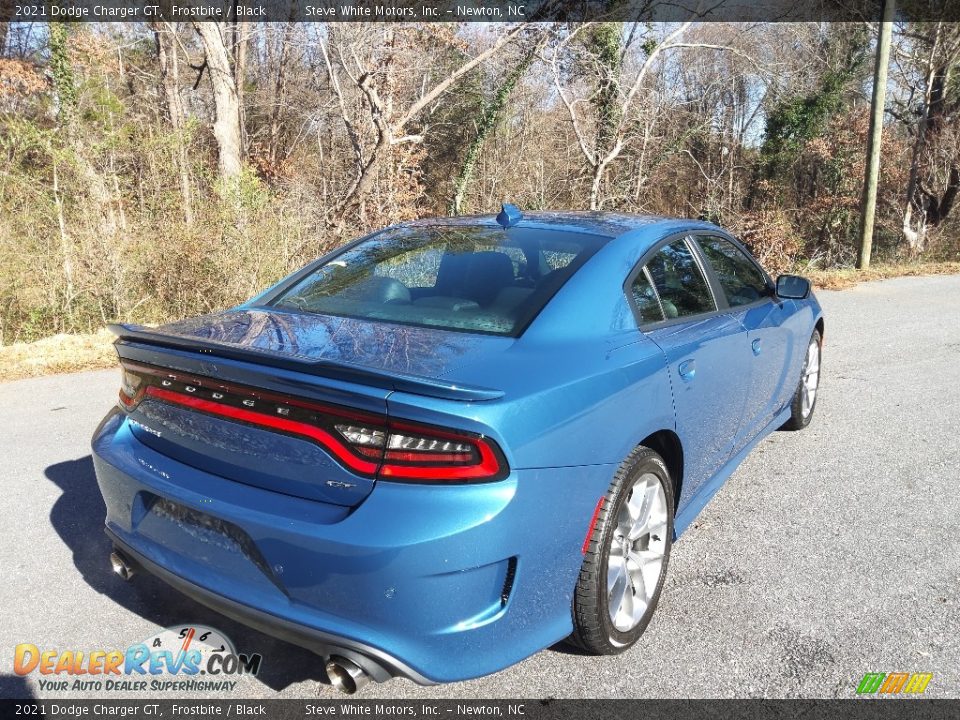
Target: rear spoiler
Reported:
point(137, 335)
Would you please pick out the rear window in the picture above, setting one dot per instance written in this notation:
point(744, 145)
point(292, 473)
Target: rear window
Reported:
point(475, 279)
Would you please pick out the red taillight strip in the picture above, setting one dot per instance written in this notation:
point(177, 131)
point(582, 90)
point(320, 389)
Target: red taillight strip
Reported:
point(396, 465)
point(320, 436)
point(405, 456)
point(488, 466)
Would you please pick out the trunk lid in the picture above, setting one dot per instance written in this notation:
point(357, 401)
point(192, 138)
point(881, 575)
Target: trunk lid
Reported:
point(210, 373)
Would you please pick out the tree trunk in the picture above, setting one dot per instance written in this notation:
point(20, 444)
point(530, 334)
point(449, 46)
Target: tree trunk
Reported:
point(66, 252)
point(279, 95)
point(61, 70)
point(170, 81)
point(226, 128)
point(364, 182)
point(488, 121)
point(6, 15)
point(607, 42)
point(924, 208)
point(598, 170)
point(65, 96)
point(240, 76)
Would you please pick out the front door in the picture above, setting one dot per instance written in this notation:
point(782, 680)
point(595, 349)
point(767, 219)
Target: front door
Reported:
point(750, 298)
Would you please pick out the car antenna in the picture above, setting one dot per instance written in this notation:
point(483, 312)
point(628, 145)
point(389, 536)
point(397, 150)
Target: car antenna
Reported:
point(509, 215)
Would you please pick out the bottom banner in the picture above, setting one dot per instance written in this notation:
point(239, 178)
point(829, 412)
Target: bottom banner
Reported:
point(527, 709)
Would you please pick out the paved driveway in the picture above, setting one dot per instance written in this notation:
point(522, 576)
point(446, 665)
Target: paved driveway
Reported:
point(829, 553)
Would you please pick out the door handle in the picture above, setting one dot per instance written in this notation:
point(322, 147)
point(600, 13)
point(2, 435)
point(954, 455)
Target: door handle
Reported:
point(756, 346)
point(688, 369)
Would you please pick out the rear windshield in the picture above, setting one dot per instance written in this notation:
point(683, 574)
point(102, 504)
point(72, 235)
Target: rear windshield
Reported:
point(475, 279)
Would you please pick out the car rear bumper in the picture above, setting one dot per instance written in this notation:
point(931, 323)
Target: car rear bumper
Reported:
point(432, 583)
point(378, 664)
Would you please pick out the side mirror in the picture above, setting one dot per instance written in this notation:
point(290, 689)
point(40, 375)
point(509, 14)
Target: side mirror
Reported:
point(792, 287)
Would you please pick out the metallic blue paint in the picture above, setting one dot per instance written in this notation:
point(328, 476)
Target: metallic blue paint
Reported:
point(509, 215)
point(439, 582)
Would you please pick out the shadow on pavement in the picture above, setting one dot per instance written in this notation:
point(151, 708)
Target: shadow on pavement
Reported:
point(15, 687)
point(565, 648)
point(78, 519)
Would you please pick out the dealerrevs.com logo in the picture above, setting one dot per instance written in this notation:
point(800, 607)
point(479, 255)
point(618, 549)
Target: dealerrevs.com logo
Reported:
point(177, 659)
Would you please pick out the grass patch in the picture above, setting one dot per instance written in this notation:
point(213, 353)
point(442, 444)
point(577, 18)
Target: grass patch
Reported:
point(58, 354)
point(843, 278)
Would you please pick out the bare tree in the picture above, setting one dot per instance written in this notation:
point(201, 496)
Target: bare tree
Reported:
point(6, 15)
point(391, 125)
point(616, 99)
point(241, 41)
point(279, 92)
point(934, 179)
point(488, 120)
point(609, 139)
point(226, 128)
point(164, 39)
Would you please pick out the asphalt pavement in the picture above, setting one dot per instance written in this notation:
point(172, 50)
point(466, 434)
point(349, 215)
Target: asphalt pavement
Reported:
point(830, 553)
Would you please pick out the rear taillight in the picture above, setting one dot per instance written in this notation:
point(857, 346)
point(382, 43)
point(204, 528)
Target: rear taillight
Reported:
point(415, 452)
point(131, 388)
point(366, 444)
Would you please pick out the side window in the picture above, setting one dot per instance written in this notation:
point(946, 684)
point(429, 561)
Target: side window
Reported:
point(740, 279)
point(645, 299)
point(682, 288)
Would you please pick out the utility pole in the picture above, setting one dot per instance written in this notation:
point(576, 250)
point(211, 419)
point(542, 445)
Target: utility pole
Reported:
point(872, 174)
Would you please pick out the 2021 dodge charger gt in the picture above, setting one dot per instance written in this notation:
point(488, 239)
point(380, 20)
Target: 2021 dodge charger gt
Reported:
point(454, 442)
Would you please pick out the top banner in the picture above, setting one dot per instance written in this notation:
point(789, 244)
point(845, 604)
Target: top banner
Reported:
point(502, 11)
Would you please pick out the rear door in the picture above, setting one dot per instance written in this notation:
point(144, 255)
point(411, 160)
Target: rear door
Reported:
point(707, 352)
point(749, 295)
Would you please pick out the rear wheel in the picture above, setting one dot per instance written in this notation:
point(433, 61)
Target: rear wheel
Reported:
point(626, 559)
point(805, 399)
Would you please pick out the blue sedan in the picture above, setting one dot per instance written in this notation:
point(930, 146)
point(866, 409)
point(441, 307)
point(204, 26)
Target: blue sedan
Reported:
point(454, 442)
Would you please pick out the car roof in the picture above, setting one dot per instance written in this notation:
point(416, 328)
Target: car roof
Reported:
point(606, 224)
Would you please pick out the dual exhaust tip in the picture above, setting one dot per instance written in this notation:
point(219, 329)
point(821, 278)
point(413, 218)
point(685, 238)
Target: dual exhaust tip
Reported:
point(121, 566)
point(345, 675)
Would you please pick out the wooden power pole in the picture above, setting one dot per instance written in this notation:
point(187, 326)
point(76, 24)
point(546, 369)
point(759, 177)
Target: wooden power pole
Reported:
point(872, 174)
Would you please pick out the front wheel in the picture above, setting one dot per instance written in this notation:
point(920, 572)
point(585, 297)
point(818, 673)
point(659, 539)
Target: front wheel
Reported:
point(626, 560)
point(805, 398)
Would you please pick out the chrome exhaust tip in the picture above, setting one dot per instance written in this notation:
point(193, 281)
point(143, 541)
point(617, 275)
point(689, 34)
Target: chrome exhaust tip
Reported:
point(346, 676)
point(121, 566)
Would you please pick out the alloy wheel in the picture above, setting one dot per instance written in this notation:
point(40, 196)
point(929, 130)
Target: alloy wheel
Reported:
point(637, 547)
point(811, 378)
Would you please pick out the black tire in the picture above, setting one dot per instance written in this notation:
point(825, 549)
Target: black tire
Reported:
point(593, 629)
point(798, 420)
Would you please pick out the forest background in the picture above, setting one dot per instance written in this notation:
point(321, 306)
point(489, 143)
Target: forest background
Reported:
point(154, 171)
